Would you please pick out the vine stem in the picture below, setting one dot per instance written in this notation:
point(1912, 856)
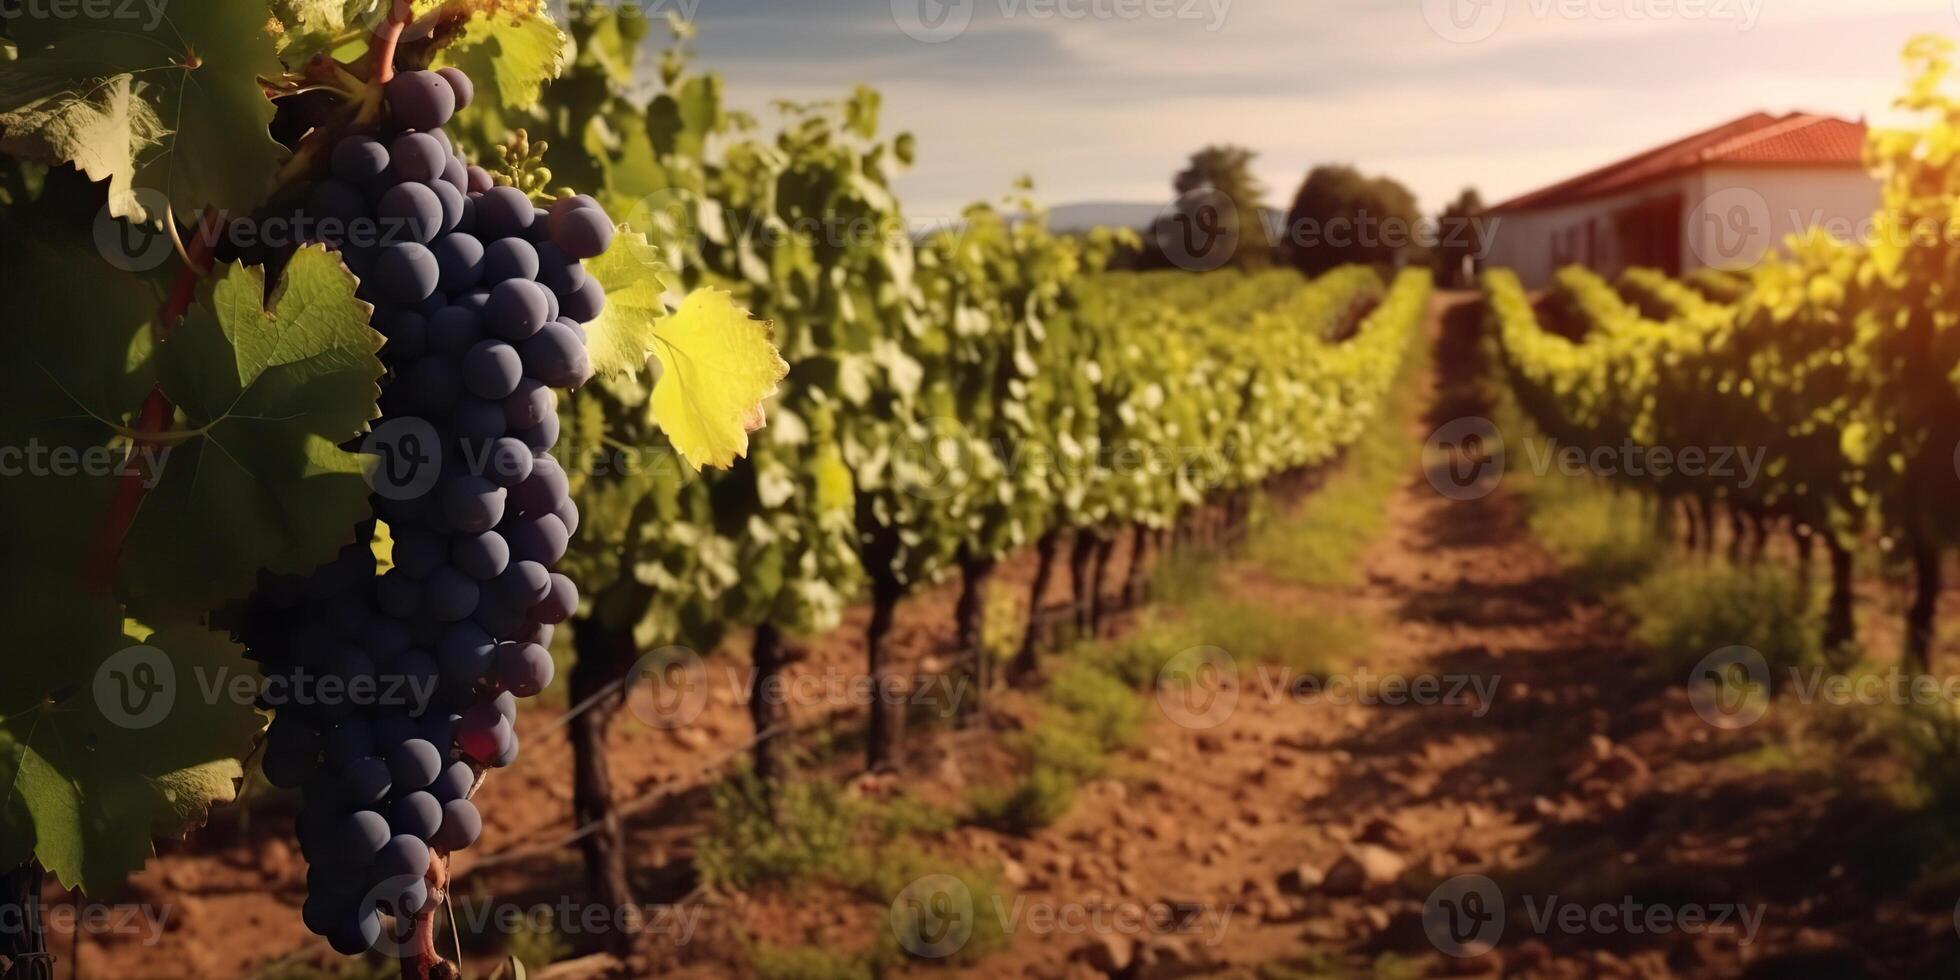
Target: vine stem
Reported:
point(386, 38)
point(154, 419)
point(419, 958)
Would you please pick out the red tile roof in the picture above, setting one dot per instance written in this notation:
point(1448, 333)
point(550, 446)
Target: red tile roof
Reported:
point(1760, 139)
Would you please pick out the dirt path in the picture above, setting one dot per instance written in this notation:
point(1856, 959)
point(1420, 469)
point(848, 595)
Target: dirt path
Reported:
point(1314, 834)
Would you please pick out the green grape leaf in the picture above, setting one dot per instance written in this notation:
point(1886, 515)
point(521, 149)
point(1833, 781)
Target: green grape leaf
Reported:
point(304, 28)
point(720, 366)
point(515, 46)
point(270, 391)
point(146, 744)
point(623, 337)
point(166, 102)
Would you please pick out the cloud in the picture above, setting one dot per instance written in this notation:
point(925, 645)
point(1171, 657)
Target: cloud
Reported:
point(1107, 108)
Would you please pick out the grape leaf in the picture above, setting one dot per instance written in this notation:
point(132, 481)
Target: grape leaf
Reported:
point(171, 106)
point(270, 392)
point(146, 744)
point(515, 45)
point(622, 338)
point(305, 28)
point(719, 368)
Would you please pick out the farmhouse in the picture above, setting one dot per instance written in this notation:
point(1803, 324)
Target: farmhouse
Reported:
point(1722, 197)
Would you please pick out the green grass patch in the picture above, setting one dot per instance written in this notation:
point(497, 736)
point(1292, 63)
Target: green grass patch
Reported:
point(1686, 612)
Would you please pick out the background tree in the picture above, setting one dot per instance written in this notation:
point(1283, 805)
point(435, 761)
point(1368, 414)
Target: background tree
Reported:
point(1460, 238)
point(1343, 216)
point(1218, 217)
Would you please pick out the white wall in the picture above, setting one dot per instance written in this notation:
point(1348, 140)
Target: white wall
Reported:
point(1735, 215)
point(1731, 217)
point(1538, 243)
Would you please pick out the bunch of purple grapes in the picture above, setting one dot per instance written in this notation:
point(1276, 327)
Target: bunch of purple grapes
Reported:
point(415, 670)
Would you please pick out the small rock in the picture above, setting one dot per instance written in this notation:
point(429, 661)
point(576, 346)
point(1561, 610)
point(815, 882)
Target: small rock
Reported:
point(1364, 866)
point(1013, 873)
point(1110, 954)
point(1301, 880)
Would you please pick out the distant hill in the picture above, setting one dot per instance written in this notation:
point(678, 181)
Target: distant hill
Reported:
point(1122, 214)
point(1103, 214)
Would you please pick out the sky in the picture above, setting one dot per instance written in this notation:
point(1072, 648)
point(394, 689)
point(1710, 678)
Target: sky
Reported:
point(1102, 100)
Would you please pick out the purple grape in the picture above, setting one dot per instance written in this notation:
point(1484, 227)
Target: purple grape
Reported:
point(480, 181)
point(402, 856)
point(450, 596)
point(524, 669)
point(503, 212)
point(365, 781)
point(417, 157)
point(526, 582)
point(414, 764)
point(586, 302)
point(410, 212)
point(508, 462)
point(418, 815)
point(492, 369)
point(453, 204)
point(509, 258)
point(517, 309)
point(459, 259)
point(560, 604)
point(479, 420)
point(556, 356)
point(455, 781)
point(530, 405)
point(406, 272)
point(454, 330)
point(355, 930)
point(481, 556)
point(358, 159)
point(542, 540)
point(456, 174)
point(583, 233)
point(360, 837)
point(463, 90)
point(461, 825)
point(421, 100)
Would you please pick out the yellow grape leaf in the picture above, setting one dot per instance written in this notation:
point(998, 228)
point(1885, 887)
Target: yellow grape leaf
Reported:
point(634, 278)
point(720, 366)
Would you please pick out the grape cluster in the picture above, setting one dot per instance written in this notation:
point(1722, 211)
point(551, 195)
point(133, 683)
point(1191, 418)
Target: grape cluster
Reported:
point(416, 668)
